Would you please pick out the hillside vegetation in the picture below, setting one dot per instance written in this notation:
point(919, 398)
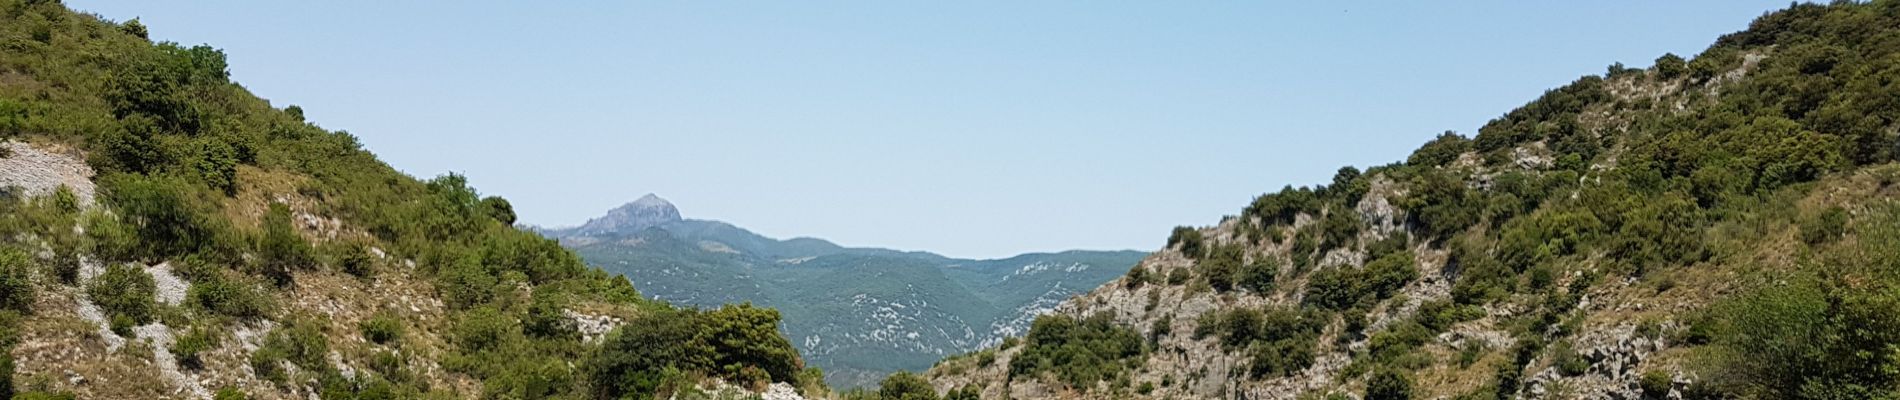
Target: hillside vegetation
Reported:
point(858, 313)
point(1722, 226)
point(235, 249)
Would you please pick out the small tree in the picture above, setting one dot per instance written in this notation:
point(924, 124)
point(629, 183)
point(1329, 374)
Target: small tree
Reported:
point(1671, 66)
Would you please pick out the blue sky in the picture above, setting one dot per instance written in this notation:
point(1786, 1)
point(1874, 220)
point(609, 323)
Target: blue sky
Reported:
point(973, 129)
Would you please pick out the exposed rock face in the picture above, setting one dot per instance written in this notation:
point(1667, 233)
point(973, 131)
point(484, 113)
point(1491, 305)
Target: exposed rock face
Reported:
point(40, 171)
point(647, 212)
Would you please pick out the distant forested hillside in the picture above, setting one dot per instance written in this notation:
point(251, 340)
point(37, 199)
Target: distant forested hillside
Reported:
point(857, 313)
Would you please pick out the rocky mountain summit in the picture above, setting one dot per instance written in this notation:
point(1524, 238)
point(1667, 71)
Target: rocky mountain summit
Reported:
point(646, 212)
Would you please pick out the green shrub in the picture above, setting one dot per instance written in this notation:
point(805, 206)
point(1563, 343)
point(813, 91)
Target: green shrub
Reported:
point(499, 209)
point(1470, 352)
point(743, 335)
point(904, 385)
point(635, 362)
point(267, 363)
point(1671, 66)
point(1342, 287)
point(390, 365)
point(225, 295)
point(1283, 207)
point(299, 341)
point(16, 280)
point(484, 328)
point(1389, 384)
point(280, 249)
point(1136, 277)
point(353, 258)
point(1079, 352)
point(1440, 204)
point(1808, 340)
point(188, 347)
point(1258, 276)
point(735, 341)
point(382, 328)
point(1220, 267)
point(1189, 240)
point(1178, 276)
point(1568, 362)
point(1827, 226)
point(169, 216)
point(1280, 358)
point(1397, 341)
point(545, 317)
point(1655, 384)
point(1340, 228)
point(229, 393)
point(124, 292)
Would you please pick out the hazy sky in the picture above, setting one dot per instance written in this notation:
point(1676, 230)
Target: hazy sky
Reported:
point(973, 129)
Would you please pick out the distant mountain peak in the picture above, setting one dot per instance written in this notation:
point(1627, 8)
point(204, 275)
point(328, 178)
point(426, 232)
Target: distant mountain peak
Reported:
point(649, 200)
point(646, 212)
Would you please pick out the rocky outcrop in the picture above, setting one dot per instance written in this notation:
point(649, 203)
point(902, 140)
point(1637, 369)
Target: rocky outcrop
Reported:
point(647, 212)
point(38, 171)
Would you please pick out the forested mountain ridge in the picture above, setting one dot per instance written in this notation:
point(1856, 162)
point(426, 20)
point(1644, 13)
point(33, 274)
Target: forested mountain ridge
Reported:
point(164, 233)
point(1722, 226)
point(857, 313)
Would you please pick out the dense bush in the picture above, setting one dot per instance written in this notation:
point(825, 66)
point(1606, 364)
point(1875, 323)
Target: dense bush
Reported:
point(225, 295)
point(1222, 266)
point(1671, 66)
point(1258, 276)
point(1440, 204)
point(1344, 287)
point(1078, 352)
point(124, 292)
point(735, 341)
point(904, 385)
point(633, 361)
point(168, 215)
point(747, 336)
point(1137, 276)
point(1189, 240)
point(1440, 151)
point(1389, 384)
point(1282, 207)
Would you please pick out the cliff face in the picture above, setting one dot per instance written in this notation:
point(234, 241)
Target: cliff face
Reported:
point(1633, 235)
